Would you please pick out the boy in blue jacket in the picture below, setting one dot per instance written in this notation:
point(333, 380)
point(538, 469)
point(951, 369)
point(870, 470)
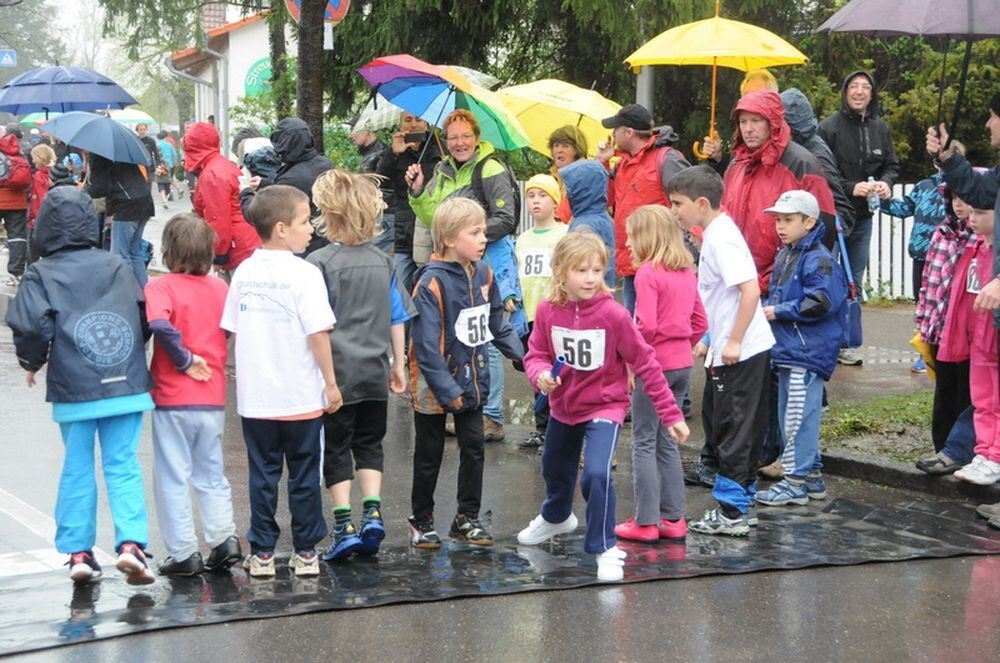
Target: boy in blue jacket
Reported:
point(460, 312)
point(586, 183)
point(805, 304)
point(79, 310)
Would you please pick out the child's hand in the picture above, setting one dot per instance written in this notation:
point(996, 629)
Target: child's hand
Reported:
point(680, 432)
point(456, 404)
point(731, 353)
point(546, 384)
point(510, 305)
point(30, 378)
point(199, 370)
point(768, 312)
point(631, 380)
point(334, 399)
point(397, 379)
point(700, 350)
point(988, 298)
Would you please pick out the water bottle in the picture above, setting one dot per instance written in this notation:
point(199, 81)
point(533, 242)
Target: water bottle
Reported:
point(873, 201)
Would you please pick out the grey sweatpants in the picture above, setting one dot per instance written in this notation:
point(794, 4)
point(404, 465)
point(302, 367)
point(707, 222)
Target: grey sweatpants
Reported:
point(187, 446)
point(656, 461)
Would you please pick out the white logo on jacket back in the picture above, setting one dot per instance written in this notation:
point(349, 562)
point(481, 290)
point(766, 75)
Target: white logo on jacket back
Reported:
point(103, 338)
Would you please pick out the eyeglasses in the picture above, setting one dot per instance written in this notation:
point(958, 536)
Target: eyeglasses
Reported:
point(461, 137)
point(864, 87)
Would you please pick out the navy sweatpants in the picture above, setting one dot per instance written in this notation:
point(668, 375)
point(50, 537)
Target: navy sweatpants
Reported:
point(560, 465)
point(270, 444)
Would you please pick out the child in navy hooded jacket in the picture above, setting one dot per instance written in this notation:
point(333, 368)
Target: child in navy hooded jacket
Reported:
point(805, 304)
point(586, 184)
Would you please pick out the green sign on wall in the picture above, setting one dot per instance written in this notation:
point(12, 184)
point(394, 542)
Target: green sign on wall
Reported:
point(258, 77)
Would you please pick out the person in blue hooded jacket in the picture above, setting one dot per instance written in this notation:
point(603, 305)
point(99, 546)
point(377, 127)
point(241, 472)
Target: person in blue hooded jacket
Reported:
point(806, 304)
point(586, 184)
point(79, 310)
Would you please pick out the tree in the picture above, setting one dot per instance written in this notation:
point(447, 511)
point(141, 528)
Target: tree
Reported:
point(280, 91)
point(25, 27)
point(309, 82)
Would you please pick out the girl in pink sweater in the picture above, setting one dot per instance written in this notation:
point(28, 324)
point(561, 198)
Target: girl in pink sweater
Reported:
point(580, 322)
point(671, 318)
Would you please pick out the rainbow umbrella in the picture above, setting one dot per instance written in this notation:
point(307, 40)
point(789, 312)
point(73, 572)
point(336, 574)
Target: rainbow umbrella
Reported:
point(432, 91)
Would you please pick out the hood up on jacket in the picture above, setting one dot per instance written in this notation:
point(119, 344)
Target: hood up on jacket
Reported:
point(586, 184)
point(293, 141)
point(768, 105)
point(10, 145)
point(799, 114)
point(873, 106)
point(67, 219)
point(201, 143)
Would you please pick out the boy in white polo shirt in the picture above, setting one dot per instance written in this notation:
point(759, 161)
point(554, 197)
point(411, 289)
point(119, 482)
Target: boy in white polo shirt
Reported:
point(734, 410)
point(279, 310)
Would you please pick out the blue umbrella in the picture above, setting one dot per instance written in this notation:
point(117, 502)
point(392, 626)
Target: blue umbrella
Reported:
point(62, 89)
point(100, 135)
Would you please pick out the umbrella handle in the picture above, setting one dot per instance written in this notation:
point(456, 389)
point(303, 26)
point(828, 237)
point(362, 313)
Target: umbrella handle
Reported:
point(696, 147)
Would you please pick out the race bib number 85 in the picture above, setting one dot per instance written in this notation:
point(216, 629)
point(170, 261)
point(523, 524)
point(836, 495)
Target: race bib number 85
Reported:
point(536, 262)
point(472, 326)
point(583, 349)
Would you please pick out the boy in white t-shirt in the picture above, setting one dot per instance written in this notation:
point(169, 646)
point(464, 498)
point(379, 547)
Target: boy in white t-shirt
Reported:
point(280, 313)
point(734, 409)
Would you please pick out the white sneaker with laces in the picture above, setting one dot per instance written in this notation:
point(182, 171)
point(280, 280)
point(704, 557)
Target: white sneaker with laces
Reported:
point(304, 564)
point(966, 470)
point(984, 473)
point(611, 564)
point(540, 530)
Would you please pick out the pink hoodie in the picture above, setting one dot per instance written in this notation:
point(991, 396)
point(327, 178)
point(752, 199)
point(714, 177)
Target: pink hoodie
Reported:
point(968, 335)
point(602, 393)
point(669, 313)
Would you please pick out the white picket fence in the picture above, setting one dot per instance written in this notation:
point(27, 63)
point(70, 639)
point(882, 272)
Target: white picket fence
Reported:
point(890, 268)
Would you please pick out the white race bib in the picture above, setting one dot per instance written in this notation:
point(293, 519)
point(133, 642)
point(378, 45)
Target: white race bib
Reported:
point(536, 262)
point(472, 326)
point(583, 349)
point(972, 284)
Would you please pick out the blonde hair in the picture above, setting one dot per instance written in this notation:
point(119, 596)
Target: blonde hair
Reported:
point(42, 155)
point(574, 249)
point(657, 238)
point(451, 217)
point(349, 204)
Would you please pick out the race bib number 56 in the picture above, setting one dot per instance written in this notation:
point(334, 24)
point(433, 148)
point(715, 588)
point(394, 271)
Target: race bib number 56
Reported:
point(583, 349)
point(472, 326)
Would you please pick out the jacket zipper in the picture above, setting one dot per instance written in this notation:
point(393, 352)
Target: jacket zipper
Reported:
point(801, 340)
point(475, 373)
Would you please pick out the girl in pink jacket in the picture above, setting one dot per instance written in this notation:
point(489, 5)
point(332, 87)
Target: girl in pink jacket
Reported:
point(671, 318)
point(581, 323)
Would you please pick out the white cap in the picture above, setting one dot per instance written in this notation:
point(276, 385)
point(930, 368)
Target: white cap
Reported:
point(795, 202)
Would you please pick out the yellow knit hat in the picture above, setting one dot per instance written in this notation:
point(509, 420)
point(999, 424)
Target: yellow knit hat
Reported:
point(546, 183)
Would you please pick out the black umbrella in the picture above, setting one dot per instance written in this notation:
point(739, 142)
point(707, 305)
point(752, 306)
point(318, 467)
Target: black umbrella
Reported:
point(966, 20)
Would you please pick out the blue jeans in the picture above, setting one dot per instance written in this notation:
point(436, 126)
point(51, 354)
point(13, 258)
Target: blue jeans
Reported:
point(126, 241)
point(628, 293)
point(386, 238)
point(560, 466)
point(76, 505)
point(494, 402)
point(962, 438)
point(858, 247)
point(800, 404)
point(406, 270)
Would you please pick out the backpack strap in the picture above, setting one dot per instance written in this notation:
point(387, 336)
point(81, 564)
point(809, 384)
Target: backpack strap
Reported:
point(477, 182)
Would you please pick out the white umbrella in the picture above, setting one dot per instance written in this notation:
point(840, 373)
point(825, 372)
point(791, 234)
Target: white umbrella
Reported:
point(130, 116)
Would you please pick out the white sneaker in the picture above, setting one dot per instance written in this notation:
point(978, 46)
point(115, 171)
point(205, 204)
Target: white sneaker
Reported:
point(985, 473)
point(540, 530)
point(963, 472)
point(259, 566)
point(305, 564)
point(611, 564)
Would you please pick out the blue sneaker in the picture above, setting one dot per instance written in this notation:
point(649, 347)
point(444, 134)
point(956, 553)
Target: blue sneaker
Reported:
point(372, 532)
point(346, 542)
point(815, 487)
point(919, 366)
point(784, 493)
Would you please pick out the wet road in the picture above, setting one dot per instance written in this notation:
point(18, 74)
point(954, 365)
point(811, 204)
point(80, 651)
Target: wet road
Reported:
point(924, 610)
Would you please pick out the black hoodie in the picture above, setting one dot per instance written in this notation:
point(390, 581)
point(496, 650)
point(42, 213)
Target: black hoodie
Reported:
point(861, 144)
point(79, 309)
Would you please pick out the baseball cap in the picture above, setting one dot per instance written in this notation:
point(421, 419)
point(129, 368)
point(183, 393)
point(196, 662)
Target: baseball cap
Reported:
point(795, 202)
point(633, 116)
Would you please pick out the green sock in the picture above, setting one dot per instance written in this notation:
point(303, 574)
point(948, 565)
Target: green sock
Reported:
point(372, 503)
point(341, 515)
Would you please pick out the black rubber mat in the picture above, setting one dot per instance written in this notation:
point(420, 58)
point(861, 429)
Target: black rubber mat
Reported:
point(45, 610)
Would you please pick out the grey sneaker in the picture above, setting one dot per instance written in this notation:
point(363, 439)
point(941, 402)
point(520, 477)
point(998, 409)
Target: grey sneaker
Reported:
point(939, 463)
point(847, 357)
point(699, 475)
point(715, 522)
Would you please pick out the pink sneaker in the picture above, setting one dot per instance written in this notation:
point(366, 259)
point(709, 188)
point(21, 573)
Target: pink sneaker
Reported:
point(676, 529)
point(630, 531)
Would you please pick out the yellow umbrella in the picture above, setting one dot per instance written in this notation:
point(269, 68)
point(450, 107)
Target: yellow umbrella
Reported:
point(543, 106)
point(717, 42)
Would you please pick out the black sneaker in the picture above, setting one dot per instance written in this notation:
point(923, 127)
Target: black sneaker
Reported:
point(191, 566)
point(939, 463)
point(422, 533)
point(535, 440)
point(699, 475)
point(83, 567)
point(469, 529)
point(132, 562)
point(225, 555)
